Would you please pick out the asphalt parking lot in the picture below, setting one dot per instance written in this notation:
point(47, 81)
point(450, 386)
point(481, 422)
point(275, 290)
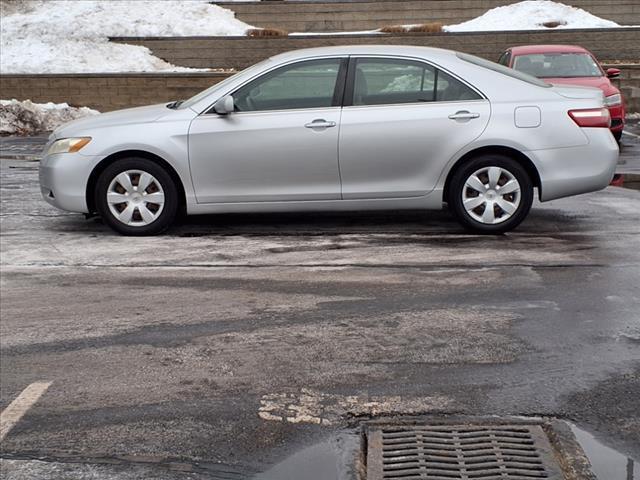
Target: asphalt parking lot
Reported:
point(235, 342)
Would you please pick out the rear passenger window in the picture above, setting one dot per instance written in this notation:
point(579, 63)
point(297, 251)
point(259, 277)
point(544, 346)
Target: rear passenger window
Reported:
point(396, 81)
point(450, 89)
point(378, 82)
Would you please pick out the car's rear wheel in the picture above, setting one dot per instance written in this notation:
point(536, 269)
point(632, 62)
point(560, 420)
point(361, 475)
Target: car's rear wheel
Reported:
point(136, 196)
point(490, 194)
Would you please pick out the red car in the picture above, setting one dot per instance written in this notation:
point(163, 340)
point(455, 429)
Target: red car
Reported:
point(573, 65)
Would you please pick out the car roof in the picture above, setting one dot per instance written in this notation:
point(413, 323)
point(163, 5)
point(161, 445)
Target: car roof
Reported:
point(400, 50)
point(529, 49)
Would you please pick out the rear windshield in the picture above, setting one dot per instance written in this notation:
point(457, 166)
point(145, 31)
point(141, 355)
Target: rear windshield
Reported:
point(558, 65)
point(481, 62)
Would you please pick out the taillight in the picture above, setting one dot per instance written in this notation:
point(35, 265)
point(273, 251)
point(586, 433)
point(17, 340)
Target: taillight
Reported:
point(591, 117)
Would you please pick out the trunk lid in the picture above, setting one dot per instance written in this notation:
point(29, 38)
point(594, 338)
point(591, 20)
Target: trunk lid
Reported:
point(582, 93)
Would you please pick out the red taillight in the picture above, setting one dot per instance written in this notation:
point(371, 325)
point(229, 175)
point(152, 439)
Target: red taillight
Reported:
point(591, 117)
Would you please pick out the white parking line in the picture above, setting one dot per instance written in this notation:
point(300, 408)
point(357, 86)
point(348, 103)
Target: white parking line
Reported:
point(16, 409)
point(631, 134)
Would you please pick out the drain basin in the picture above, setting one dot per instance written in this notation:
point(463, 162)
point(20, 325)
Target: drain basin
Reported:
point(460, 452)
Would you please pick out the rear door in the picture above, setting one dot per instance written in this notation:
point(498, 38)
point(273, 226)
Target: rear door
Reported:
point(403, 120)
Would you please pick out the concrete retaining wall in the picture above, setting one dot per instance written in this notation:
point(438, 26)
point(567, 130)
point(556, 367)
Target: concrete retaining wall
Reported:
point(321, 16)
point(107, 92)
point(629, 84)
point(240, 52)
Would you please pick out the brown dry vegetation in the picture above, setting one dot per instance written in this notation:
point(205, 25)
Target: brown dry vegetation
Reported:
point(266, 32)
point(554, 24)
point(432, 27)
point(393, 29)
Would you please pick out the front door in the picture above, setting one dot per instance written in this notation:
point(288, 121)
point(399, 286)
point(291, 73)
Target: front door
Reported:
point(281, 143)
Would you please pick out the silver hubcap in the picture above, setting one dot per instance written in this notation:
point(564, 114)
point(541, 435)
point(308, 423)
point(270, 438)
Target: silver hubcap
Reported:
point(135, 198)
point(491, 195)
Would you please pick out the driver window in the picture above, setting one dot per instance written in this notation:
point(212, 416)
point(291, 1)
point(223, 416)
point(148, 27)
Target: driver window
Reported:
point(309, 84)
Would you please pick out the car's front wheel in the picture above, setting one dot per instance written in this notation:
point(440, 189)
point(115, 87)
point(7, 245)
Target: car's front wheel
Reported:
point(491, 194)
point(136, 196)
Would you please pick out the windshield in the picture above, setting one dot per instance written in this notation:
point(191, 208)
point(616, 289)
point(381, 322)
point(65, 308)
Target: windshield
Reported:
point(481, 62)
point(558, 65)
point(199, 96)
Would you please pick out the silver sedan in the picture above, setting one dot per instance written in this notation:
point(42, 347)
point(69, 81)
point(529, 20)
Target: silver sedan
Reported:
point(339, 128)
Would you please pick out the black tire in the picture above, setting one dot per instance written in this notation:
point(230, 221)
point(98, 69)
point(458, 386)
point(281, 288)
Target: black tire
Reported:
point(457, 189)
point(617, 136)
point(165, 215)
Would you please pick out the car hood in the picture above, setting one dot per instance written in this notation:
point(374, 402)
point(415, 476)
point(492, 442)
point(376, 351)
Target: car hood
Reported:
point(603, 83)
point(128, 116)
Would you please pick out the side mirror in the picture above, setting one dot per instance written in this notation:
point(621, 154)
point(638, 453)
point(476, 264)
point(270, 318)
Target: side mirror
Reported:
point(613, 72)
point(224, 106)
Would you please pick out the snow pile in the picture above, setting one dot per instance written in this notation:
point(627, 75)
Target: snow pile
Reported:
point(58, 36)
point(26, 118)
point(532, 15)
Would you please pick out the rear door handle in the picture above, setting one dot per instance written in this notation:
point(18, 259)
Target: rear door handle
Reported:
point(320, 123)
point(464, 115)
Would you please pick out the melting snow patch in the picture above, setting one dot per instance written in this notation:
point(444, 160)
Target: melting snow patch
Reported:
point(25, 118)
point(532, 15)
point(72, 37)
point(310, 406)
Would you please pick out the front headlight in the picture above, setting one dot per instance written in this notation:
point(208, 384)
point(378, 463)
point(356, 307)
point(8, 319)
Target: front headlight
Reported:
point(612, 100)
point(68, 145)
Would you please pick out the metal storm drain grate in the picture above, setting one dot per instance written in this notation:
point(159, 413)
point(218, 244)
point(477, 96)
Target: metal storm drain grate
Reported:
point(465, 452)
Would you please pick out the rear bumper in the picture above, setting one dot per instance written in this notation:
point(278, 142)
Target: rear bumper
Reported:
point(64, 178)
point(571, 171)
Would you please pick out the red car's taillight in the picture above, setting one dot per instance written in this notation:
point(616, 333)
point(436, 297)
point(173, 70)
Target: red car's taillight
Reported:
point(591, 117)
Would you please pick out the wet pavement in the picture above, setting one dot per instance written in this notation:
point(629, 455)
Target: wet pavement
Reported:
point(22, 148)
point(606, 462)
point(237, 345)
point(629, 162)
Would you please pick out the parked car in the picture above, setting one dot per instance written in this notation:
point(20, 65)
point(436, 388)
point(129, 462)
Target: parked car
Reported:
point(570, 65)
point(339, 128)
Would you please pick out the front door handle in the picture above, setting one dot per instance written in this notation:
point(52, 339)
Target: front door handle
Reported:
point(463, 115)
point(320, 123)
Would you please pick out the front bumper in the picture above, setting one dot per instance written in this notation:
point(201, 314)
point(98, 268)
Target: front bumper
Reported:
point(64, 178)
point(571, 171)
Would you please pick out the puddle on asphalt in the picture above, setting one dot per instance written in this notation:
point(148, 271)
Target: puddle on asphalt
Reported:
point(607, 463)
point(333, 459)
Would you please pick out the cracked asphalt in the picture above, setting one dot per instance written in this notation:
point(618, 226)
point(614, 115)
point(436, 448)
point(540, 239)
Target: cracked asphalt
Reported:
point(225, 347)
